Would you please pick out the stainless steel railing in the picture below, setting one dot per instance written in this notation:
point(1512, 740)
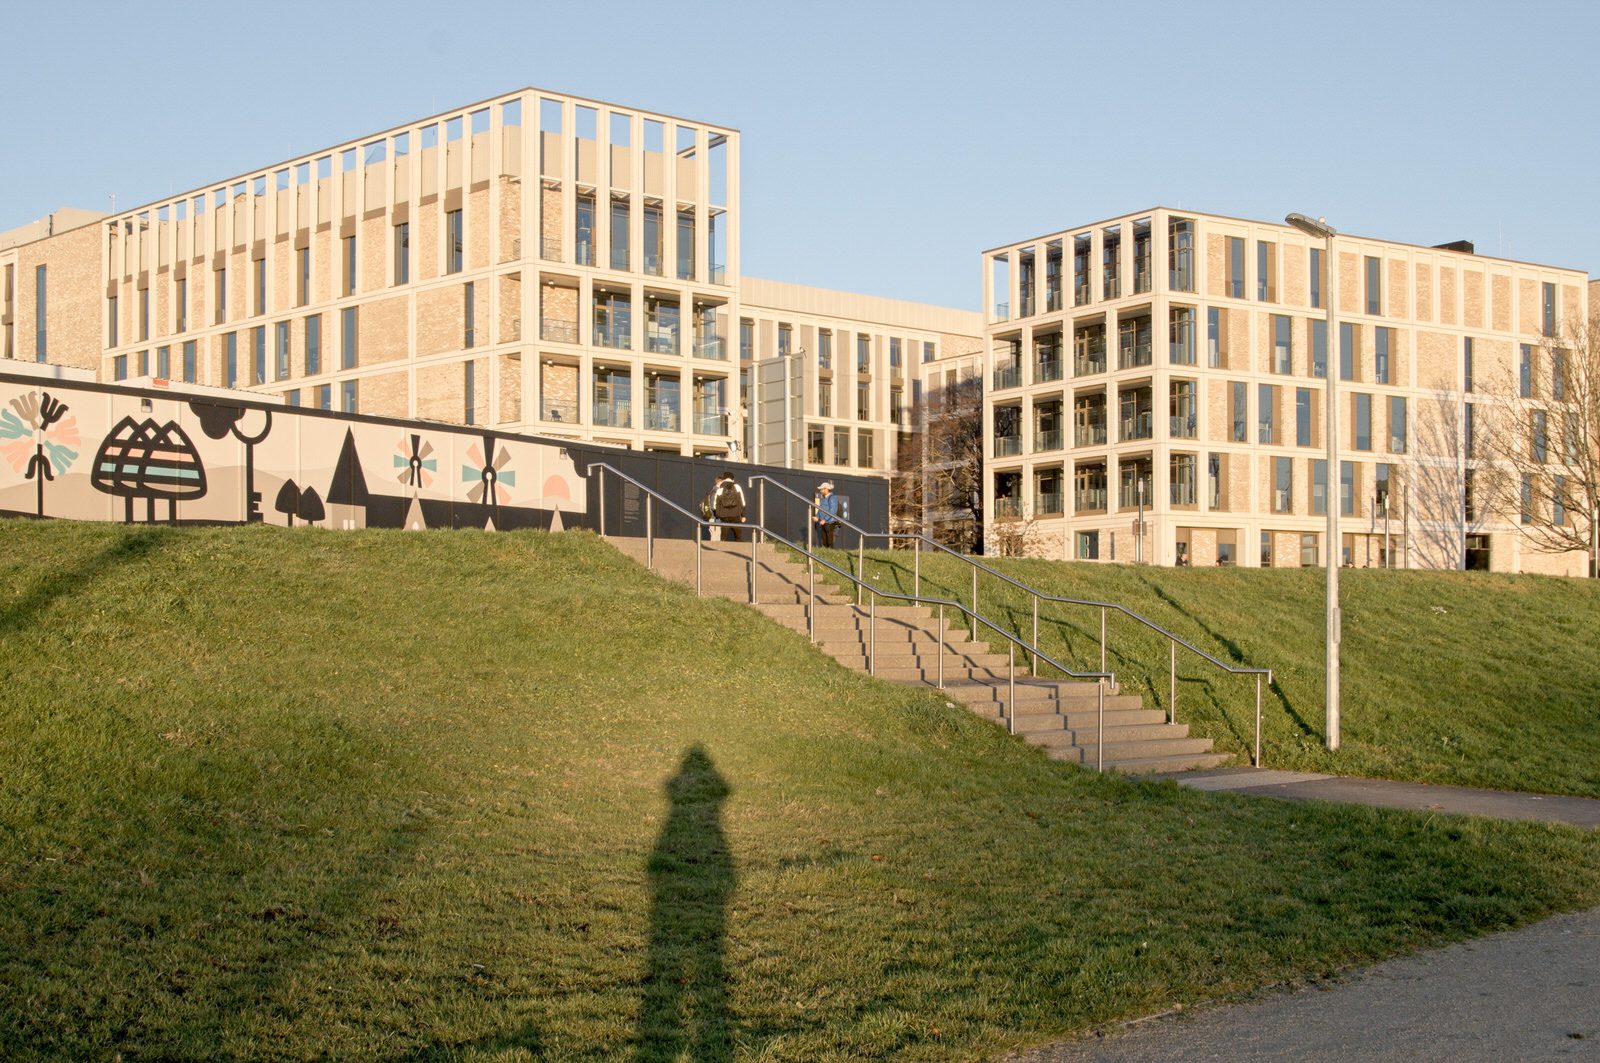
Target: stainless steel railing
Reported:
point(918, 541)
point(1103, 679)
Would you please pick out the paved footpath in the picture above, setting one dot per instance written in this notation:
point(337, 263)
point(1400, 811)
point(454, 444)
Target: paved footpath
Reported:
point(1530, 994)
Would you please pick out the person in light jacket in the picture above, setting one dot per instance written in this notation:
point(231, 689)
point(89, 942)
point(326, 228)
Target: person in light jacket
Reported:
point(826, 515)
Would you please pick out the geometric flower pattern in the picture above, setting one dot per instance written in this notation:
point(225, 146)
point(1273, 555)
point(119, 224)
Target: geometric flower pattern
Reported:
point(490, 477)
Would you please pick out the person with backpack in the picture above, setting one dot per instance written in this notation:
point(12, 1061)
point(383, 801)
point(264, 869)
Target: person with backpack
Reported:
point(727, 505)
point(826, 513)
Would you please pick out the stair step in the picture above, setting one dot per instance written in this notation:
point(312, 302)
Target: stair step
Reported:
point(1169, 764)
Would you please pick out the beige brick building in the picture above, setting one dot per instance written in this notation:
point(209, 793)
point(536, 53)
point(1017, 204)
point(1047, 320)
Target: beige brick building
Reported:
point(1215, 433)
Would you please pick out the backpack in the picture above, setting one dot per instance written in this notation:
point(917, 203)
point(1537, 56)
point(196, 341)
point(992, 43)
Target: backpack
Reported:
point(727, 503)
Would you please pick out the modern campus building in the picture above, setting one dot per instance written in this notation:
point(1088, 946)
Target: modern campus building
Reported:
point(534, 262)
point(1171, 365)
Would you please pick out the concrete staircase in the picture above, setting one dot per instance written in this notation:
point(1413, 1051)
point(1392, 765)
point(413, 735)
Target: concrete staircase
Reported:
point(1059, 715)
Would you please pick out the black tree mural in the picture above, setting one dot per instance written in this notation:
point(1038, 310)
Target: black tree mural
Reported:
point(218, 420)
point(141, 459)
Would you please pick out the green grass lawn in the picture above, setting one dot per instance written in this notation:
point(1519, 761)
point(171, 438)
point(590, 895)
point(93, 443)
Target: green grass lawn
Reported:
point(1473, 679)
point(294, 794)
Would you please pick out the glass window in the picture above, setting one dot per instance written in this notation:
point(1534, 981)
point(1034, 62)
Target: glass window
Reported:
point(1316, 277)
point(1308, 550)
point(864, 448)
point(620, 214)
point(221, 299)
point(1374, 285)
point(1282, 351)
point(1558, 375)
point(841, 445)
point(230, 360)
point(1363, 429)
point(261, 285)
point(181, 296)
point(1236, 267)
point(164, 363)
point(1282, 485)
point(348, 395)
point(813, 445)
point(1539, 436)
point(119, 367)
point(347, 338)
point(1181, 336)
point(1319, 349)
point(1240, 413)
point(1347, 351)
point(190, 361)
point(1397, 424)
point(1347, 488)
point(1548, 312)
point(313, 344)
point(1302, 416)
point(469, 316)
point(1266, 398)
point(1382, 337)
point(280, 348)
point(1266, 271)
point(303, 287)
point(402, 253)
point(1525, 373)
point(349, 265)
point(927, 350)
point(1319, 487)
point(747, 340)
point(1266, 549)
point(258, 336)
point(1180, 254)
point(453, 240)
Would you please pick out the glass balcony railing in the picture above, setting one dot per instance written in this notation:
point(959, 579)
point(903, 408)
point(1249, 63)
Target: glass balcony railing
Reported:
point(1008, 507)
point(1183, 427)
point(1048, 503)
point(661, 339)
point(617, 414)
point(1089, 500)
point(1047, 439)
point(709, 347)
point(1133, 355)
point(1008, 376)
point(619, 259)
point(711, 422)
point(1007, 446)
point(1090, 435)
point(1089, 364)
point(719, 274)
point(661, 417)
point(615, 334)
point(1052, 300)
point(1002, 310)
point(652, 263)
point(1136, 427)
point(1046, 369)
point(550, 250)
point(583, 254)
point(559, 411)
point(558, 331)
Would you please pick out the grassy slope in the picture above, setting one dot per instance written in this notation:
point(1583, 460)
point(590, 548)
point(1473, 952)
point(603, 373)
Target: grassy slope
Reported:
point(1466, 678)
point(291, 794)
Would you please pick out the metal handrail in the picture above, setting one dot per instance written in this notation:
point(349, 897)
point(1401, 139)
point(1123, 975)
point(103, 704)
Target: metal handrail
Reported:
point(1103, 679)
point(1038, 596)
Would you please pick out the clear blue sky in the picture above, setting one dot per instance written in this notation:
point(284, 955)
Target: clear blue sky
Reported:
point(884, 145)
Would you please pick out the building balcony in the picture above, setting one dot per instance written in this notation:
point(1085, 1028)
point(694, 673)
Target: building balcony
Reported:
point(719, 274)
point(652, 263)
point(1052, 300)
point(661, 339)
point(1008, 376)
point(1135, 355)
point(1089, 364)
point(618, 335)
point(553, 331)
point(1048, 439)
point(711, 422)
point(1080, 294)
point(1090, 435)
point(1046, 370)
point(661, 417)
point(583, 253)
point(559, 411)
point(1048, 503)
point(1007, 446)
point(613, 414)
point(1136, 427)
point(709, 347)
point(1008, 507)
point(1089, 500)
point(1183, 427)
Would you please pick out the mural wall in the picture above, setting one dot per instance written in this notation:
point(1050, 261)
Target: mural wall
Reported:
point(97, 452)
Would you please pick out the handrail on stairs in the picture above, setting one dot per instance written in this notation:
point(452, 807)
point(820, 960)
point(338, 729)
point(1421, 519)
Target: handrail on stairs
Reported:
point(761, 480)
point(1103, 679)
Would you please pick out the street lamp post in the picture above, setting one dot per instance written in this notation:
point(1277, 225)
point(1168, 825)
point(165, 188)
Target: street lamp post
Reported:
point(1316, 227)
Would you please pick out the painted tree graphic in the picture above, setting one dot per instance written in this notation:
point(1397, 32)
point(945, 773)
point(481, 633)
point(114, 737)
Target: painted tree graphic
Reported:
point(38, 439)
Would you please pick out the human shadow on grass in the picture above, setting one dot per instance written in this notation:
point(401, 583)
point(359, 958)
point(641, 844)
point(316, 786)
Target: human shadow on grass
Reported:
point(685, 1011)
point(63, 583)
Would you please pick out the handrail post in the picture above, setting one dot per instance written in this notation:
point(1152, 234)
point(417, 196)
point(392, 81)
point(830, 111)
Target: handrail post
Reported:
point(1035, 654)
point(861, 563)
point(761, 507)
point(1102, 638)
point(872, 634)
point(602, 492)
point(699, 549)
point(1255, 762)
point(649, 533)
point(941, 645)
point(1100, 728)
point(1172, 681)
point(974, 596)
point(1011, 703)
point(917, 568)
point(755, 573)
point(811, 610)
